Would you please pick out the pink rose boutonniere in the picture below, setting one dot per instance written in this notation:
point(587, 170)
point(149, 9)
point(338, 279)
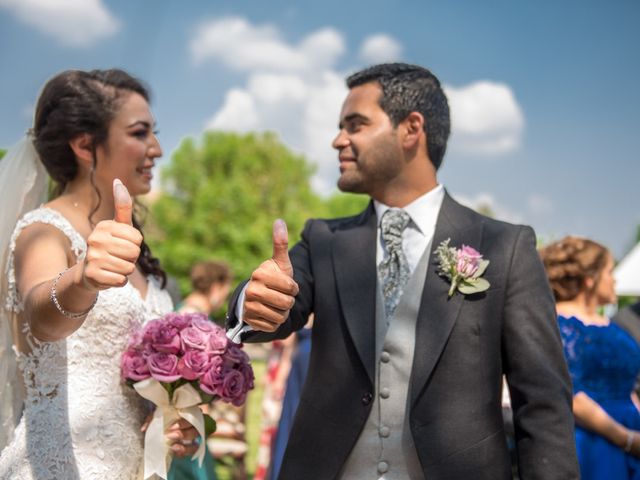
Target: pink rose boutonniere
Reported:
point(463, 267)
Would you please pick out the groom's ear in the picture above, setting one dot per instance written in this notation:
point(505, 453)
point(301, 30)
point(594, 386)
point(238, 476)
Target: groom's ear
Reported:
point(413, 131)
point(82, 147)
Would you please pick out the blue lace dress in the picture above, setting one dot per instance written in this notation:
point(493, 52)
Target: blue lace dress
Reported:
point(604, 362)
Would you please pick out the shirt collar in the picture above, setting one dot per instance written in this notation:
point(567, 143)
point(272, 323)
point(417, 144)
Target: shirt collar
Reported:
point(423, 210)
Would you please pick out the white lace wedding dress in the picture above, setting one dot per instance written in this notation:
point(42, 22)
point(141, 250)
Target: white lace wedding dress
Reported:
point(80, 421)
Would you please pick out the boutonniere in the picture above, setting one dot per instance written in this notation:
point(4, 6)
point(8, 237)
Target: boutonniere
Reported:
point(463, 267)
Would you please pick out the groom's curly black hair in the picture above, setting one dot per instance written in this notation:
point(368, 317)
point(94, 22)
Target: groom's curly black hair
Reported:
point(411, 88)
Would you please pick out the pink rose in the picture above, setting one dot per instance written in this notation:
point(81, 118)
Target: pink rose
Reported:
point(134, 365)
point(162, 336)
point(194, 339)
point(218, 341)
point(163, 367)
point(468, 261)
point(194, 364)
point(211, 381)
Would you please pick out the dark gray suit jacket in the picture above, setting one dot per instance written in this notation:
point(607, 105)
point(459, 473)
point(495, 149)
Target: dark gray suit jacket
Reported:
point(463, 346)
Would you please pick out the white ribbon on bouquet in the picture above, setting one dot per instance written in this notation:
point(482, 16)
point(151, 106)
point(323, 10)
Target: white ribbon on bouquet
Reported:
point(184, 404)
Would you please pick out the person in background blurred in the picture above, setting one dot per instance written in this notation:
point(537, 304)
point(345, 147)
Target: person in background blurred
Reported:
point(210, 284)
point(275, 381)
point(629, 319)
point(301, 350)
point(603, 359)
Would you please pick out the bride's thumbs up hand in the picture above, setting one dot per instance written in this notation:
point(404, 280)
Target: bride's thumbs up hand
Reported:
point(113, 246)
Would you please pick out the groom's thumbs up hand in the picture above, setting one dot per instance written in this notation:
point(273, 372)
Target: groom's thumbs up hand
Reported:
point(281, 247)
point(271, 291)
point(113, 246)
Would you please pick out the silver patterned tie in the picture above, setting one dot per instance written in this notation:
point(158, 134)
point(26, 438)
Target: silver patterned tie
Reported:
point(394, 270)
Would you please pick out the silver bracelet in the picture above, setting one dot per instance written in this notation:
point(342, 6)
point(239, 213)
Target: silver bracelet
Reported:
point(629, 444)
point(54, 299)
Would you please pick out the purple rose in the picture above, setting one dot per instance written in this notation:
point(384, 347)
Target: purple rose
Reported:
point(234, 388)
point(194, 339)
point(247, 372)
point(235, 355)
point(202, 322)
point(134, 365)
point(211, 381)
point(177, 320)
point(162, 336)
point(468, 261)
point(194, 364)
point(163, 366)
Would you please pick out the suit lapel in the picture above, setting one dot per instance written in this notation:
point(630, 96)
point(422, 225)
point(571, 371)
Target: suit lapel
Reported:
point(354, 263)
point(438, 312)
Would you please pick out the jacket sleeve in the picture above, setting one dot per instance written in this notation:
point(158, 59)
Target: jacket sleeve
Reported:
point(536, 370)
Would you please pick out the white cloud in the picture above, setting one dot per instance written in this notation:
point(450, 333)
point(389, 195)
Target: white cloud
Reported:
point(486, 202)
point(485, 118)
point(304, 113)
point(247, 47)
point(380, 48)
point(539, 204)
point(74, 23)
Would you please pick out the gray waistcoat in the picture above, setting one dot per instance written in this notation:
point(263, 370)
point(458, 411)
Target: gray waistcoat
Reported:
point(385, 448)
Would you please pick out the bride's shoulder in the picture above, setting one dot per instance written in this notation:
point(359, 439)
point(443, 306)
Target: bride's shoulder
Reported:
point(41, 226)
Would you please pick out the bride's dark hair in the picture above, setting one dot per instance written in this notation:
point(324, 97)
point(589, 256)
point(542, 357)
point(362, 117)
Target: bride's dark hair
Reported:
point(76, 102)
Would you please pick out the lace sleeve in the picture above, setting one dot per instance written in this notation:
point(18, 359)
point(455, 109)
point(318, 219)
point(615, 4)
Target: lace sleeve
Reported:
point(571, 334)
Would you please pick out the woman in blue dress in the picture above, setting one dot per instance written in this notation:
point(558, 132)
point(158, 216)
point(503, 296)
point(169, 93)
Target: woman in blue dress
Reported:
point(604, 360)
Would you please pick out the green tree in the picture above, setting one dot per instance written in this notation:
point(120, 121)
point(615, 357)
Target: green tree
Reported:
point(2, 152)
point(220, 196)
point(344, 204)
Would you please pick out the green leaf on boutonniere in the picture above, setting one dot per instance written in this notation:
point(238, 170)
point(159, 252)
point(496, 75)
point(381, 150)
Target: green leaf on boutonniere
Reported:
point(482, 266)
point(475, 285)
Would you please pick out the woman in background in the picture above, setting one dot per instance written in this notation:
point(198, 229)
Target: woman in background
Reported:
point(604, 360)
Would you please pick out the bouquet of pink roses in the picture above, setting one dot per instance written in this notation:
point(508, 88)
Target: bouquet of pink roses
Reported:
point(179, 362)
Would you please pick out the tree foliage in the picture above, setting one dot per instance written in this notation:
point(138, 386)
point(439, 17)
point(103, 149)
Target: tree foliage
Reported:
point(2, 152)
point(219, 199)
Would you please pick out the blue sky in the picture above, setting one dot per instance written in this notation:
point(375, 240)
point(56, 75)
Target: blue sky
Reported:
point(544, 95)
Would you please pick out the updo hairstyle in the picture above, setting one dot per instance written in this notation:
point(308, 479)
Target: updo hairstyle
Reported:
point(569, 262)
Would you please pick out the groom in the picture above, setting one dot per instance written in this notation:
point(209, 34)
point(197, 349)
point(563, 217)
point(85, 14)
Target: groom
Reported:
point(404, 380)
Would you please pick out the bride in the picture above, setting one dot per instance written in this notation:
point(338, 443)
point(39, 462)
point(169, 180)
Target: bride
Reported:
point(79, 279)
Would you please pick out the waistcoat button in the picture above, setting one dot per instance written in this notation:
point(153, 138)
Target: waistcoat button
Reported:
point(366, 398)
